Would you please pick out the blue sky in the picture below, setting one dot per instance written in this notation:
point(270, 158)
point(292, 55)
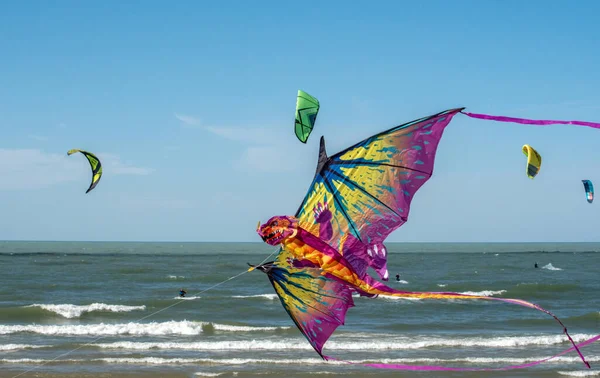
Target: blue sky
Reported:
point(190, 106)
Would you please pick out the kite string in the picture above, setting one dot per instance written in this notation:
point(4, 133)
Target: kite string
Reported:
point(143, 318)
point(266, 258)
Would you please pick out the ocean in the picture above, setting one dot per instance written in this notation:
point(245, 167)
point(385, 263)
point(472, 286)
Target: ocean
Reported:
point(78, 309)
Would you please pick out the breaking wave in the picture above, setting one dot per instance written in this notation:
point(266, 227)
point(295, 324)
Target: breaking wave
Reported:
point(349, 345)
point(75, 311)
point(549, 266)
point(136, 329)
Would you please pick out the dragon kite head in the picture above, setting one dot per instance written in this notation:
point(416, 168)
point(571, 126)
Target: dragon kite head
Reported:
point(277, 229)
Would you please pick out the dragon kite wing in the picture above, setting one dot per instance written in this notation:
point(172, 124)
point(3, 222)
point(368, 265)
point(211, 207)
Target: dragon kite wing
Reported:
point(307, 108)
point(363, 193)
point(94, 164)
point(316, 303)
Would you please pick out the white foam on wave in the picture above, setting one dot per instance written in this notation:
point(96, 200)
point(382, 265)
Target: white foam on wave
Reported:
point(204, 374)
point(405, 343)
point(297, 361)
point(390, 298)
point(13, 347)
point(484, 293)
point(234, 328)
point(402, 282)
point(187, 298)
point(174, 277)
point(580, 373)
point(75, 311)
point(184, 327)
point(266, 296)
point(442, 285)
point(549, 266)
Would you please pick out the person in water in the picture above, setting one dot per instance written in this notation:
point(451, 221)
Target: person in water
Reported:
point(536, 265)
point(182, 293)
point(397, 277)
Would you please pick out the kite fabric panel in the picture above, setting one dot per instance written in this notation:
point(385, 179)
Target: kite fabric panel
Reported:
point(95, 165)
point(307, 109)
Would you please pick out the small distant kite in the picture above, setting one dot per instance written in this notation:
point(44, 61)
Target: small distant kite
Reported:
point(94, 164)
point(589, 190)
point(534, 161)
point(307, 108)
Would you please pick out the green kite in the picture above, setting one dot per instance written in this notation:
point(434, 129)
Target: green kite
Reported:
point(307, 108)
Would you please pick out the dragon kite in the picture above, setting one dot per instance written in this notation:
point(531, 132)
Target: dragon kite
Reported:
point(357, 198)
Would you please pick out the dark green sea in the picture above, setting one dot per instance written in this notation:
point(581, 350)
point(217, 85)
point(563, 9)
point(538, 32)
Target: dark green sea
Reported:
point(102, 309)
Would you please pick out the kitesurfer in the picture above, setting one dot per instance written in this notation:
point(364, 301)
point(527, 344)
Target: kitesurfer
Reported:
point(397, 277)
point(182, 293)
point(536, 265)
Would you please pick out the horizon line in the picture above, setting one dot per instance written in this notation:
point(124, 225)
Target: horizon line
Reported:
point(260, 242)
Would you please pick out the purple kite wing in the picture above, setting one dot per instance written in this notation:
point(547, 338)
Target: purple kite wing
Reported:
point(363, 193)
point(316, 303)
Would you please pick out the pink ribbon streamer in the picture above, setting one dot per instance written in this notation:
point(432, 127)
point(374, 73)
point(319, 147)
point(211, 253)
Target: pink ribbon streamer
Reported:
point(531, 121)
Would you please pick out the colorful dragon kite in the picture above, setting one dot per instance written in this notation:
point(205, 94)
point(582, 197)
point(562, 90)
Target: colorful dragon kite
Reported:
point(357, 198)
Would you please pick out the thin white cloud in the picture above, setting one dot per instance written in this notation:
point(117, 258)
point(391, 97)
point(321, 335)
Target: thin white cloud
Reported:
point(62, 125)
point(248, 135)
point(34, 169)
point(268, 149)
point(40, 138)
point(258, 135)
point(188, 120)
point(112, 164)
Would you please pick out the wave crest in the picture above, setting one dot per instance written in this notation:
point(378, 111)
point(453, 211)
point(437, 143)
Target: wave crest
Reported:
point(75, 311)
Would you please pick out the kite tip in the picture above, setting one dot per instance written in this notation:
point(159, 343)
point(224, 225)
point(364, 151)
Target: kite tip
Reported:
point(258, 226)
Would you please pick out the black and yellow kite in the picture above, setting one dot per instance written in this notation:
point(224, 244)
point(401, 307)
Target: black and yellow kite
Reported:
point(534, 161)
point(94, 164)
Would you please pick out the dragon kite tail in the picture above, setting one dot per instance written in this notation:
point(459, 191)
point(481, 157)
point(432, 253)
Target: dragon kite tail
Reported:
point(373, 287)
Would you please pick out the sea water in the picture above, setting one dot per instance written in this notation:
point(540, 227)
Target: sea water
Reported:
point(83, 309)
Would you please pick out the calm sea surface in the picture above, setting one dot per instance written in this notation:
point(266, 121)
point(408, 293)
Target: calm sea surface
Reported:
point(89, 309)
